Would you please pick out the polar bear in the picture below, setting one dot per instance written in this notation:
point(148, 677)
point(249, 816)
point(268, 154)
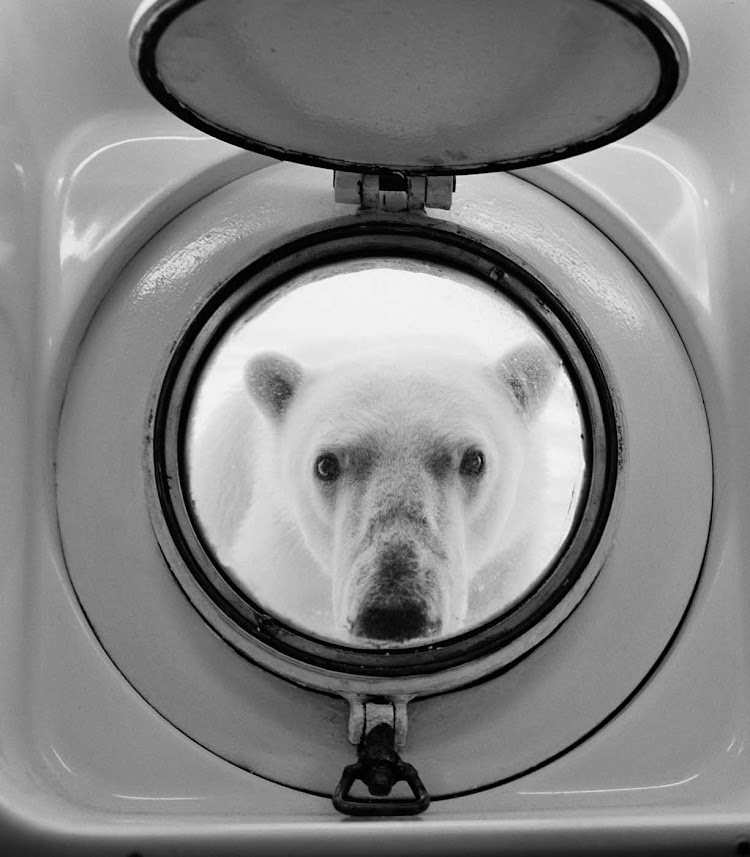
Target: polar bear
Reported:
point(387, 481)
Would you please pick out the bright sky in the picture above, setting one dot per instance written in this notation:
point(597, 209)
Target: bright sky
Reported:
point(372, 303)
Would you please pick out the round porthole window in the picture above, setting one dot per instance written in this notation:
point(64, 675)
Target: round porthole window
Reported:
point(385, 455)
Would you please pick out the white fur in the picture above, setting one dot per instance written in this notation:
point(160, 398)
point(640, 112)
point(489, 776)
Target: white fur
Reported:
point(309, 551)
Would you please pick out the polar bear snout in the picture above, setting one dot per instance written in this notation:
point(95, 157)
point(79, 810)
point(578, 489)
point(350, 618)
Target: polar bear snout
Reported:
point(399, 599)
point(394, 621)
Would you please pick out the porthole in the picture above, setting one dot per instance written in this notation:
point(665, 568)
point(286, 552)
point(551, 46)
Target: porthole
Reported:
point(274, 697)
point(473, 428)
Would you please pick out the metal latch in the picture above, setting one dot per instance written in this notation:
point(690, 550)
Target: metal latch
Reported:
point(377, 729)
point(393, 191)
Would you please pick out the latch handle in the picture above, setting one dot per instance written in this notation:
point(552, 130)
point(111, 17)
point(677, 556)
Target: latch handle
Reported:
point(380, 767)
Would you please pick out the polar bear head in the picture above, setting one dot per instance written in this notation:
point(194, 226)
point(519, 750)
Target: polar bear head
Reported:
point(401, 469)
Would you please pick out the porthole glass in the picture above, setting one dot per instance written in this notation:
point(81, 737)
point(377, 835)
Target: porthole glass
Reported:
point(384, 453)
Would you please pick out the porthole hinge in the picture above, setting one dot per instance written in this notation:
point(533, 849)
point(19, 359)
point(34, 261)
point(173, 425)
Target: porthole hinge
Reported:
point(393, 192)
point(378, 728)
point(366, 714)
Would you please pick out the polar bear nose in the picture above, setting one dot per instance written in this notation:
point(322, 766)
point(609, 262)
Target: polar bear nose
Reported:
point(395, 621)
point(395, 607)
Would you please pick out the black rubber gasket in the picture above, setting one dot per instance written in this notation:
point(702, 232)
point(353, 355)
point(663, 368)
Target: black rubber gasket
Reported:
point(425, 243)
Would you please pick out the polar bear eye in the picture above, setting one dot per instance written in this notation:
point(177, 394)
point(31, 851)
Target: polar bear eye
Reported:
point(327, 467)
point(472, 463)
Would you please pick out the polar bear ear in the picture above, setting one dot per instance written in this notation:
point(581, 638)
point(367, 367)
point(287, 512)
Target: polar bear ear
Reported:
point(272, 380)
point(529, 373)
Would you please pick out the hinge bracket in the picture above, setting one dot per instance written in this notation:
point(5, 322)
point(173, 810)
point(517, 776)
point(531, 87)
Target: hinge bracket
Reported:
point(393, 192)
point(365, 715)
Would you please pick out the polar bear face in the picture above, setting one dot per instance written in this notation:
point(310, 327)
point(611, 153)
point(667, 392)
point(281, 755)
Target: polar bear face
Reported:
point(402, 471)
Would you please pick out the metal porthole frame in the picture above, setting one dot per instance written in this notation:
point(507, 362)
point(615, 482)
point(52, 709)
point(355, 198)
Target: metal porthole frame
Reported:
point(333, 667)
point(285, 719)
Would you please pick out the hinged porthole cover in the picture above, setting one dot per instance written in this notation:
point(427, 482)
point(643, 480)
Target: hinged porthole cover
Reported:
point(413, 88)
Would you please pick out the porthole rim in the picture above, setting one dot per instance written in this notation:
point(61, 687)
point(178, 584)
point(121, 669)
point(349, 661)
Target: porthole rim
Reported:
point(467, 662)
